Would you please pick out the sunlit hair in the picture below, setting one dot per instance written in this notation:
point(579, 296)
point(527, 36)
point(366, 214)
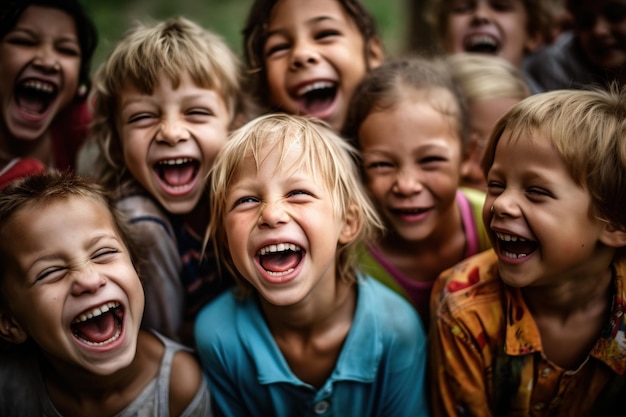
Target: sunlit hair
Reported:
point(169, 49)
point(588, 131)
point(327, 157)
point(255, 36)
point(398, 79)
point(44, 189)
point(485, 77)
point(539, 17)
point(86, 32)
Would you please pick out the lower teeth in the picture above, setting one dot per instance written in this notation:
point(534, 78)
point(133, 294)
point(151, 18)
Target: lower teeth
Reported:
point(279, 274)
point(514, 255)
point(109, 340)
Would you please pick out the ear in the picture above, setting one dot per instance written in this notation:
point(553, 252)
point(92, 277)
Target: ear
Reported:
point(351, 226)
point(612, 236)
point(374, 53)
point(10, 329)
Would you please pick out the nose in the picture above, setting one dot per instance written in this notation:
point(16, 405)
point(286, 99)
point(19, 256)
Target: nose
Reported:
point(407, 182)
point(601, 27)
point(46, 59)
point(273, 215)
point(505, 205)
point(86, 280)
point(303, 54)
point(171, 131)
point(482, 12)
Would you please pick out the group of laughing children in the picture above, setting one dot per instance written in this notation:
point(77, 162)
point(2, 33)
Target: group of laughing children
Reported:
point(314, 230)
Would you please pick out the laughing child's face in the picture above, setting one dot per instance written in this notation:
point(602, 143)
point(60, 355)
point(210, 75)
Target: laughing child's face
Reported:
point(170, 139)
point(497, 28)
point(40, 61)
point(70, 285)
point(315, 56)
point(540, 226)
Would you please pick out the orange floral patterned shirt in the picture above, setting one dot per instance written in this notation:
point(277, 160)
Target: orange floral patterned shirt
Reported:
point(486, 354)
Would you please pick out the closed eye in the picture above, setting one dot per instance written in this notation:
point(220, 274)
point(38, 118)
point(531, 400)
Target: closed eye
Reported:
point(136, 118)
point(327, 33)
point(104, 254)
point(276, 48)
point(53, 273)
point(245, 200)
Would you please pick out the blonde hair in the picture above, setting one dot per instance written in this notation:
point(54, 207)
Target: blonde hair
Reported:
point(146, 53)
point(588, 131)
point(324, 154)
point(484, 77)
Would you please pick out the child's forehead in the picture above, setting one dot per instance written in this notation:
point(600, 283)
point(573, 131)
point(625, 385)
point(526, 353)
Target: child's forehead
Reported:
point(313, 12)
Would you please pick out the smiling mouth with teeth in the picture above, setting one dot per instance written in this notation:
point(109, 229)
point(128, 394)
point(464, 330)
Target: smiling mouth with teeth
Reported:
point(317, 97)
point(177, 172)
point(481, 44)
point(280, 259)
point(515, 247)
point(35, 96)
point(99, 326)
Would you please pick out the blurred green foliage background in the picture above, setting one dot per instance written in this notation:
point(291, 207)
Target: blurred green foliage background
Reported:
point(225, 17)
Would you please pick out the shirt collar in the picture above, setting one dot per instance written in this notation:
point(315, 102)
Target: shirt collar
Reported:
point(522, 334)
point(359, 357)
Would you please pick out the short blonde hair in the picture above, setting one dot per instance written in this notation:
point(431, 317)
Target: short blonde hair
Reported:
point(147, 52)
point(588, 131)
point(484, 77)
point(327, 156)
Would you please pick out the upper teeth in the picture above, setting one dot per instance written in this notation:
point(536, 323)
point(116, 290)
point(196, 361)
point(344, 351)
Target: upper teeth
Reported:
point(315, 86)
point(481, 39)
point(281, 247)
point(39, 85)
point(509, 238)
point(96, 311)
point(177, 161)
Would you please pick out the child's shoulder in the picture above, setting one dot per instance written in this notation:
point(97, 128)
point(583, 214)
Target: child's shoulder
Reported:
point(380, 306)
point(179, 370)
point(471, 279)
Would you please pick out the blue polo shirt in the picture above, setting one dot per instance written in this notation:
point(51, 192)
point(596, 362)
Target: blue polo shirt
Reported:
point(380, 370)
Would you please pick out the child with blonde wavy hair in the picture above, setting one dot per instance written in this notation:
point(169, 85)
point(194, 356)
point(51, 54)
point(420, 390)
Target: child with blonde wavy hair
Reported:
point(306, 333)
point(165, 100)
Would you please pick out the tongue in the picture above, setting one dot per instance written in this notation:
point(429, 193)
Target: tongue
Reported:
point(32, 103)
point(315, 104)
point(178, 175)
point(281, 261)
point(519, 247)
point(98, 329)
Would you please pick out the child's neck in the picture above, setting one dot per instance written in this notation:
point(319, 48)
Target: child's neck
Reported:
point(311, 335)
point(423, 260)
point(75, 391)
point(571, 316)
point(40, 149)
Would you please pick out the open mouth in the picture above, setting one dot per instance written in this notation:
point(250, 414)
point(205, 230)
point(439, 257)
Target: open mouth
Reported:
point(316, 98)
point(178, 172)
point(515, 247)
point(280, 259)
point(35, 96)
point(99, 326)
point(409, 212)
point(481, 44)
